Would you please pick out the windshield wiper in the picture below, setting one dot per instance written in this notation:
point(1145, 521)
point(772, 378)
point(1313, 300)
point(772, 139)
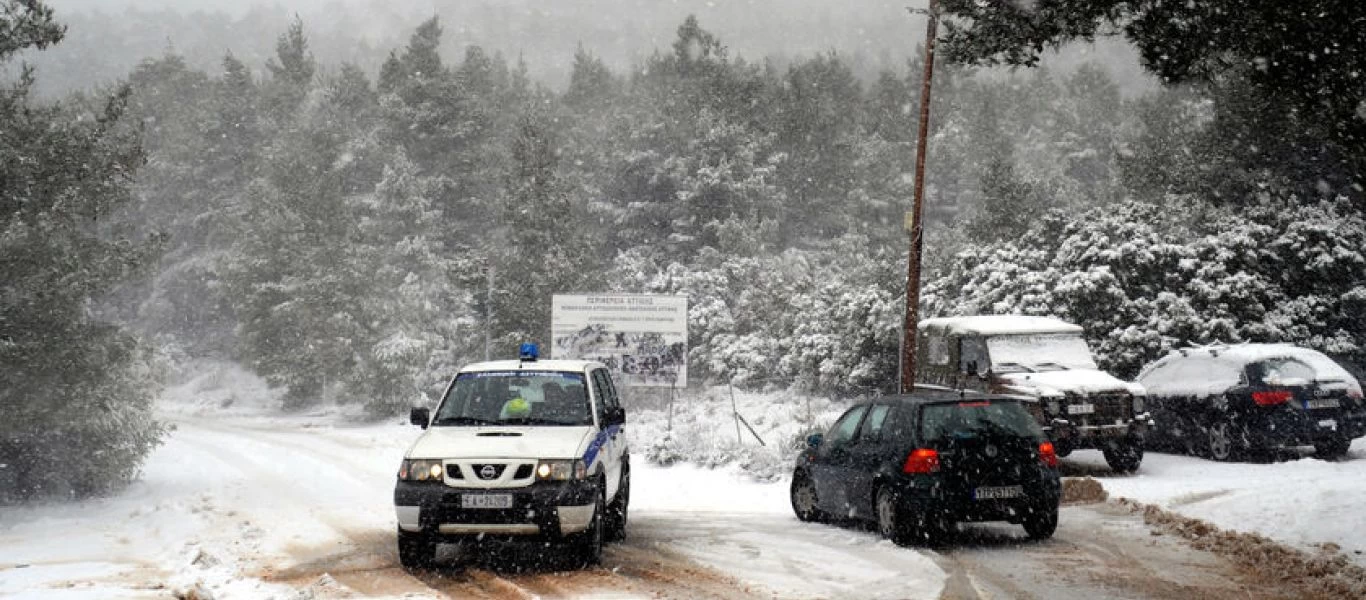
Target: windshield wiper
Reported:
point(1014, 365)
point(535, 421)
point(463, 420)
point(1059, 366)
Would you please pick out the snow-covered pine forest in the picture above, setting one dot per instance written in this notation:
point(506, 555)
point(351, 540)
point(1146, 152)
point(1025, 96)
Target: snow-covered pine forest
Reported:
point(333, 227)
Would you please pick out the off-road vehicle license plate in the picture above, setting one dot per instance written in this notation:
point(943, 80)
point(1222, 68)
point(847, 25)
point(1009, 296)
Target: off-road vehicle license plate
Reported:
point(1084, 408)
point(998, 492)
point(486, 501)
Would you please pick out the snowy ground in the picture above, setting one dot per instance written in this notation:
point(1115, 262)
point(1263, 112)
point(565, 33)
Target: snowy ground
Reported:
point(243, 504)
point(1305, 502)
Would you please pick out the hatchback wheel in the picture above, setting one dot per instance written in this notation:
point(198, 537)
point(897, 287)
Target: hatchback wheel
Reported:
point(1225, 440)
point(890, 523)
point(804, 498)
point(1041, 523)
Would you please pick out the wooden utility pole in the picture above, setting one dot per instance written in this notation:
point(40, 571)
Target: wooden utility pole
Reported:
point(914, 225)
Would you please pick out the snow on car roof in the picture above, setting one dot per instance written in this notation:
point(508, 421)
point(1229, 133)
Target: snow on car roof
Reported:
point(530, 365)
point(1210, 370)
point(999, 325)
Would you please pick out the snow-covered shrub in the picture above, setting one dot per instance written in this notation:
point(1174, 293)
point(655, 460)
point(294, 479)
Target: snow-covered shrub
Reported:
point(826, 319)
point(704, 431)
point(1141, 280)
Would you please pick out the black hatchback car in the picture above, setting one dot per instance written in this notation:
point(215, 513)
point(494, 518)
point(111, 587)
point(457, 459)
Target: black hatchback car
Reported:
point(1225, 402)
point(917, 464)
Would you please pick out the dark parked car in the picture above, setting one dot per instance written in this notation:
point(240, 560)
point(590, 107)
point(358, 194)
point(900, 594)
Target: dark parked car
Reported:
point(917, 464)
point(1224, 402)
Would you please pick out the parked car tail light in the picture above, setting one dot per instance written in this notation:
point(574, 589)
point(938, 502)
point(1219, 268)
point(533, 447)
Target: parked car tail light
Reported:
point(921, 461)
point(1271, 398)
point(1047, 455)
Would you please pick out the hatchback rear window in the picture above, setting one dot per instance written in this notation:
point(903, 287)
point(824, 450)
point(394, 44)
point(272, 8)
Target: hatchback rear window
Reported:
point(939, 421)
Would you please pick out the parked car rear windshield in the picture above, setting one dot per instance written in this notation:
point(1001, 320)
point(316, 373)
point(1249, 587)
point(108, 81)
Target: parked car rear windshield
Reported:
point(516, 398)
point(1281, 371)
point(968, 418)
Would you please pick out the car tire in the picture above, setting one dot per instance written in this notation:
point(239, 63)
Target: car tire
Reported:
point(805, 502)
point(617, 510)
point(891, 517)
point(588, 546)
point(1333, 449)
point(1041, 523)
point(1224, 441)
point(415, 550)
point(1124, 456)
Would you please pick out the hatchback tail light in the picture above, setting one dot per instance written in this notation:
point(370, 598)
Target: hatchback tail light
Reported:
point(922, 461)
point(1047, 455)
point(1271, 398)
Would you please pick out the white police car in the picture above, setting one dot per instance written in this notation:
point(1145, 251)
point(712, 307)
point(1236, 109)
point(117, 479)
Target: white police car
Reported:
point(517, 449)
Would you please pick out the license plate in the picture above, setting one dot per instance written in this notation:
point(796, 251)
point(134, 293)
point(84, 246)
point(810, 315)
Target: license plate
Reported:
point(1081, 409)
point(1321, 403)
point(1328, 424)
point(998, 492)
point(486, 501)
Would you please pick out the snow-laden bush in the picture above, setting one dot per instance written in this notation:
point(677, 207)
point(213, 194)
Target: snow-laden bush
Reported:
point(1143, 279)
point(703, 429)
point(827, 319)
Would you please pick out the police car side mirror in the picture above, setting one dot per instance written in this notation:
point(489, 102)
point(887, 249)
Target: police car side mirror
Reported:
point(616, 416)
point(420, 417)
point(814, 440)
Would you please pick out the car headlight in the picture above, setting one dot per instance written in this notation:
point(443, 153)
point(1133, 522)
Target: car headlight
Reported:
point(420, 470)
point(561, 470)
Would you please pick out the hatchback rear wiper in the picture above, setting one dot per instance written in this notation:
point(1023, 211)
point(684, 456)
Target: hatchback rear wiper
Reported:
point(994, 427)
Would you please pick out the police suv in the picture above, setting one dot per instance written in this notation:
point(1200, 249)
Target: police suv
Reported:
point(517, 449)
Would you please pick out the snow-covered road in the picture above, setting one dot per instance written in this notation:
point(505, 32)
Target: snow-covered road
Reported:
point(293, 508)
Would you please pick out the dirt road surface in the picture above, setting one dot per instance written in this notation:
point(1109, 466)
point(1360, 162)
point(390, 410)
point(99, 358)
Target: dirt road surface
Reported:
point(1100, 550)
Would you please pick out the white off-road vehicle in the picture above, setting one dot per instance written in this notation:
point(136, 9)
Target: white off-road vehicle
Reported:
point(517, 449)
point(1078, 405)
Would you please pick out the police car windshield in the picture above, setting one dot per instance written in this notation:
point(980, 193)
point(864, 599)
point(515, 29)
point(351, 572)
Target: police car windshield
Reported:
point(515, 398)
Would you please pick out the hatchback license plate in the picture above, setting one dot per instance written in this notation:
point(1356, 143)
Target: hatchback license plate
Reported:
point(1321, 403)
point(486, 501)
point(1081, 409)
point(998, 492)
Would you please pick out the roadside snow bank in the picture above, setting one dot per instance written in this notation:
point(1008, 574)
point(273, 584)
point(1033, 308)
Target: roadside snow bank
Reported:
point(1306, 503)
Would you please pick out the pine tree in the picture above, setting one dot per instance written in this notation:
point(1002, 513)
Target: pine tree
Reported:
point(77, 392)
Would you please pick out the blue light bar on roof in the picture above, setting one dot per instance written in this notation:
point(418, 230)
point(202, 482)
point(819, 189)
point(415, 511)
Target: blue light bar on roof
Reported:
point(529, 352)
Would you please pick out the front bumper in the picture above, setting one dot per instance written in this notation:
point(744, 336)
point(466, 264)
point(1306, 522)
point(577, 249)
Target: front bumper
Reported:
point(545, 509)
point(1099, 435)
